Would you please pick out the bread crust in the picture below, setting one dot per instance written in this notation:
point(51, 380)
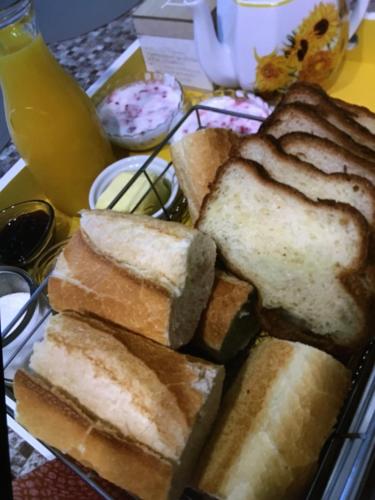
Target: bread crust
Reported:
point(97, 287)
point(251, 453)
point(309, 114)
point(273, 145)
point(55, 419)
point(315, 96)
point(277, 358)
point(325, 144)
point(361, 114)
point(227, 297)
point(351, 278)
point(170, 367)
point(230, 319)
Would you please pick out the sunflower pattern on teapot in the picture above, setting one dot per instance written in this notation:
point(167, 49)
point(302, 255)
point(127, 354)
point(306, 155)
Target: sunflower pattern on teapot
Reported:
point(312, 52)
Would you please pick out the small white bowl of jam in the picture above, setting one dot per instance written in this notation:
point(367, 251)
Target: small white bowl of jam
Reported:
point(138, 115)
point(155, 188)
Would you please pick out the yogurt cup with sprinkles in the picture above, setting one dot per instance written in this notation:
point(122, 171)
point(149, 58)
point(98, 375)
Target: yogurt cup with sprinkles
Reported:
point(138, 115)
point(237, 102)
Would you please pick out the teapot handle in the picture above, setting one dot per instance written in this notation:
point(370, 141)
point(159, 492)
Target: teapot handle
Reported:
point(356, 15)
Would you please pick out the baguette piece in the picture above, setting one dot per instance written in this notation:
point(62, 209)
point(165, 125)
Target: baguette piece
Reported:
point(229, 320)
point(160, 402)
point(360, 114)
point(297, 117)
point(304, 257)
point(315, 96)
point(326, 155)
point(196, 157)
point(55, 419)
point(274, 422)
point(150, 276)
point(351, 189)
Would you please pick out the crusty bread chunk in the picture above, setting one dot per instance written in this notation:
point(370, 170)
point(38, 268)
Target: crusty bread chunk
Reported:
point(304, 257)
point(196, 157)
point(326, 155)
point(351, 189)
point(274, 422)
point(360, 114)
point(326, 107)
point(150, 276)
point(298, 117)
point(136, 390)
point(229, 321)
point(59, 422)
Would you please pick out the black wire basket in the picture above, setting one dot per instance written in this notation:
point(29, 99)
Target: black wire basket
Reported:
point(348, 454)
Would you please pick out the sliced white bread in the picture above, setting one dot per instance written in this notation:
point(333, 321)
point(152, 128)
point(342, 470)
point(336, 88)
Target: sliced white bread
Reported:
point(298, 117)
point(150, 276)
point(229, 320)
point(196, 158)
point(326, 155)
point(273, 424)
point(317, 185)
point(304, 257)
point(360, 114)
point(157, 401)
point(326, 107)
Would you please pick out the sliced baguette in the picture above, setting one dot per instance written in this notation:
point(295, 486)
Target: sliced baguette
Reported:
point(54, 418)
point(326, 155)
point(284, 168)
point(273, 424)
point(304, 257)
point(132, 389)
point(196, 158)
point(229, 321)
point(297, 117)
point(150, 276)
point(315, 96)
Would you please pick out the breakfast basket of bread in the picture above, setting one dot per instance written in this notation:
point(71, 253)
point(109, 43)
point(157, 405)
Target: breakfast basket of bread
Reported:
point(231, 355)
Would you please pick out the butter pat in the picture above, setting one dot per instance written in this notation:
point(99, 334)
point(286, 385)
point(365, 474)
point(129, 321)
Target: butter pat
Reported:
point(149, 205)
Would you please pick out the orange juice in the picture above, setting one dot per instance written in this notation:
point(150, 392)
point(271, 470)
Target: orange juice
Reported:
point(51, 120)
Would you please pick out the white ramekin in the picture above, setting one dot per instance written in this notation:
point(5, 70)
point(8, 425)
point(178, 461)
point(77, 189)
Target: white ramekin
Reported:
point(133, 164)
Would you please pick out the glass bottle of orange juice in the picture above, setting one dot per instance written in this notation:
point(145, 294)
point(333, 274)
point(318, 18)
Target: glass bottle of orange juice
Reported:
point(51, 120)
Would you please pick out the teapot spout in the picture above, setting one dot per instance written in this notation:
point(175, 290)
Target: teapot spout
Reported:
point(215, 57)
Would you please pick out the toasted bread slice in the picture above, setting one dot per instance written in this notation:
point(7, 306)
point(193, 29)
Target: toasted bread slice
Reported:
point(326, 155)
point(360, 114)
point(196, 158)
point(314, 95)
point(356, 191)
point(304, 257)
point(297, 117)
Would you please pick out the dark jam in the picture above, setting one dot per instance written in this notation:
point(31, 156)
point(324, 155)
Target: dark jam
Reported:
point(21, 237)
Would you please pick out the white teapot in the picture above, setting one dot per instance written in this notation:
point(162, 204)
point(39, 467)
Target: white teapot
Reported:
point(268, 44)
